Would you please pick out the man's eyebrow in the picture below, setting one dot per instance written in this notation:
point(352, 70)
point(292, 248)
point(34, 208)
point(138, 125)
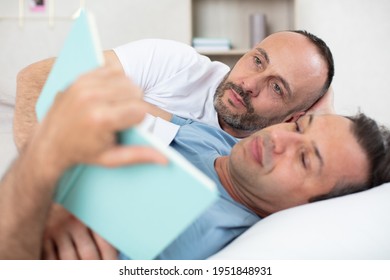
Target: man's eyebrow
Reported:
point(263, 53)
point(316, 150)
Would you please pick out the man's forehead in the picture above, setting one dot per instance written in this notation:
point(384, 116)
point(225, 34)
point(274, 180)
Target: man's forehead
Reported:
point(349, 161)
point(329, 123)
point(342, 155)
point(284, 37)
point(296, 59)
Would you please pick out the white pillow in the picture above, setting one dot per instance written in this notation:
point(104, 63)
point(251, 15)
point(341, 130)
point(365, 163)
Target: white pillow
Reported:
point(355, 226)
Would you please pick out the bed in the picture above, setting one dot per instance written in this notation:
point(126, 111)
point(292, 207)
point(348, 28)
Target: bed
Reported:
point(352, 227)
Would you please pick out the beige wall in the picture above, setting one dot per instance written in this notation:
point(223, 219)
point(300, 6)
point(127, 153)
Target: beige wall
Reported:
point(358, 33)
point(118, 22)
point(356, 30)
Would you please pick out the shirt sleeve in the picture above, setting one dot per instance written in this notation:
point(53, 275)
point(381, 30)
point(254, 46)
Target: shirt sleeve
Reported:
point(149, 62)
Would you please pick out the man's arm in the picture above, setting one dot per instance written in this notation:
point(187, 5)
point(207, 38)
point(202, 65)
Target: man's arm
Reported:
point(89, 113)
point(29, 84)
point(25, 197)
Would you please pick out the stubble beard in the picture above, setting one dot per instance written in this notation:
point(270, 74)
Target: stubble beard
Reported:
point(248, 121)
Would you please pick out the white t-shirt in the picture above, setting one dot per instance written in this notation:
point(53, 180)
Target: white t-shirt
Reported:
point(174, 77)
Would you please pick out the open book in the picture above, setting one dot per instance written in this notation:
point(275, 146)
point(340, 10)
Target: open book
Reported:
point(139, 209)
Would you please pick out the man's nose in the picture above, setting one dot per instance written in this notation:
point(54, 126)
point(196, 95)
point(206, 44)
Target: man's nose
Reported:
point(252, 84)
point(284, 140)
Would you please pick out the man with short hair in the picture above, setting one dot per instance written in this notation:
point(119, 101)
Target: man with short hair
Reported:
point(279, 167)
point(277, 81)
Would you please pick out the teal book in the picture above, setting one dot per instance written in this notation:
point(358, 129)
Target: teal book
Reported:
point(80, 53)
point(139, 209)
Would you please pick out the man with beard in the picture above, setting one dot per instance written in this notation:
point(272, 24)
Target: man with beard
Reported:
point(279, 167)
point(277, 81)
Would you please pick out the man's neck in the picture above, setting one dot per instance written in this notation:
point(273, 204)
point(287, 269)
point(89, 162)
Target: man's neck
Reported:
point(221, 166)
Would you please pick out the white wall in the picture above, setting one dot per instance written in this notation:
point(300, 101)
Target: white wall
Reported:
point(358, 32)
point(118, 22)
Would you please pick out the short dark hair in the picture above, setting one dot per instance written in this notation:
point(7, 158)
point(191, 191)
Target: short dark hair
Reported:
point(375, 140)
point(326, 54)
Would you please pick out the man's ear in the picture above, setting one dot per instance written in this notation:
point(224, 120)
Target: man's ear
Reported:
point(324, 105)
point(295, 116)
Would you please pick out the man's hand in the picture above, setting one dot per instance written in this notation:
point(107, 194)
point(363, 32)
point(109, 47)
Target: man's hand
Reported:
point(66, 238)
point(82, 124)
point(81, 127)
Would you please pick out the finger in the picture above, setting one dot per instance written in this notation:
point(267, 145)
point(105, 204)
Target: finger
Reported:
point(124, 115)
point(66, 248)
point(106, 250)
point(123, 155)
point(49, 250)
point(86, 247)
point(83, 241)
point(109, 118)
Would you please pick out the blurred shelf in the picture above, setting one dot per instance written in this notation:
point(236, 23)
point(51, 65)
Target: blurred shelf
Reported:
point(230, 19)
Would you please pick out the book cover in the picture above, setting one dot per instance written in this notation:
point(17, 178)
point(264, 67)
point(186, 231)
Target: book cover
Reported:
point(139, 209)
point(80, 53)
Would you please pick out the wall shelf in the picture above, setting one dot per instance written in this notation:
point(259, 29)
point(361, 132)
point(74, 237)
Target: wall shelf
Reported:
point(230, 19)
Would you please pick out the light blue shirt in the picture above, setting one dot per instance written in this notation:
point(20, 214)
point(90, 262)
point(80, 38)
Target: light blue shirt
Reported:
point(226, 219)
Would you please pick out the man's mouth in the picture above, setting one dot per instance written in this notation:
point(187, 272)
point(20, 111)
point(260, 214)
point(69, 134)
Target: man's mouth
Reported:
point(236, 98)
point(257, 150)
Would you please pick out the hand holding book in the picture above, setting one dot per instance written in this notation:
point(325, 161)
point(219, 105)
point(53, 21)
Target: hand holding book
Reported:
point(140, 209)
point(86, 118)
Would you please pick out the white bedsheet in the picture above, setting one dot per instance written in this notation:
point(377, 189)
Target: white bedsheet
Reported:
point(352, 227)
